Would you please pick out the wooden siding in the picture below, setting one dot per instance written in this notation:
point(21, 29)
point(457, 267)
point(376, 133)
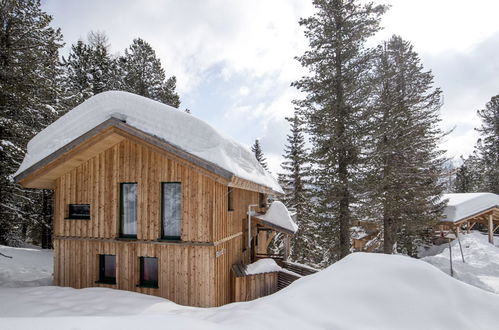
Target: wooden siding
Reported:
point(251, 287)
point(226, 254)
point(96, 182)
point(195, 271)
point(186, 273)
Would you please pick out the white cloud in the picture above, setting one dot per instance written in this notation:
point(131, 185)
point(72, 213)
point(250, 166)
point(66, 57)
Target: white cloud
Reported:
point(247, 49)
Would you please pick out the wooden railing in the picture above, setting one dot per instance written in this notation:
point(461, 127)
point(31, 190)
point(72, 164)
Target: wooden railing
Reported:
point(247, 287)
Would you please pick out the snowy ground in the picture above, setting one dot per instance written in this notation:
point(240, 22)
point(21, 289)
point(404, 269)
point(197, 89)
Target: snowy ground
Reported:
point(27, 267)
point(481, 266)
point(363, 291)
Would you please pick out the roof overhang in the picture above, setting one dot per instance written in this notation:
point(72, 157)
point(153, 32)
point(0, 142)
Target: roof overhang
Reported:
point(481, 217)
point(112, 131)
point(266, 224)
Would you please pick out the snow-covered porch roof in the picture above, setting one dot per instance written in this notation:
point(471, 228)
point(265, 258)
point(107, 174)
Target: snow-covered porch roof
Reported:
point(464, 207)
point(278, 218)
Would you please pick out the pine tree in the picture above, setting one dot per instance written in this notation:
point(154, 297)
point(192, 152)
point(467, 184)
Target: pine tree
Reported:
point(144, 75)
point(257, 150)
point(467, 175)
point(30, 79)
point(405, 166)
point(295, 180)
point(90, 69)
point(337, 93)
point(488, 146)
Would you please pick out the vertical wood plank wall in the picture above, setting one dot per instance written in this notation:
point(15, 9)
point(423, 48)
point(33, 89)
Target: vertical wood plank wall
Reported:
point(251, 287)
point(190, 273)
point(186, 273)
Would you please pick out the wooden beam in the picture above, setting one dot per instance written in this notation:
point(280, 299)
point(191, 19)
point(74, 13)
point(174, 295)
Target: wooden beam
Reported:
point(491, 229)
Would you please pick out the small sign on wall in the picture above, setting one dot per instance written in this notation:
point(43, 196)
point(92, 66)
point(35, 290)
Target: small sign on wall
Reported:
point(220, 253)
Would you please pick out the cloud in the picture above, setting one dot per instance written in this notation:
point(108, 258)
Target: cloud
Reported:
point(234, 60)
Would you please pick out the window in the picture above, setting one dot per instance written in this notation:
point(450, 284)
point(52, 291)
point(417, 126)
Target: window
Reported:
point(79, 211)
point(171, 206)
point(107, 269)
point(262, 200)
point(148, 272)
point(128, 210)
point(230, 199)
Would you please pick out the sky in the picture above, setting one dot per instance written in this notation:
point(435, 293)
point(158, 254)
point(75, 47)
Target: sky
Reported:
point(235, 59)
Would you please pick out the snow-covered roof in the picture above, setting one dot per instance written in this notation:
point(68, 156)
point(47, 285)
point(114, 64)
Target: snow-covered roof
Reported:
point(464, 205)
point(178, 128)
point(278, 215)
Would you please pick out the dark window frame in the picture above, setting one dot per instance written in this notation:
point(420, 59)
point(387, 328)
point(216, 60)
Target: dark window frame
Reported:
point(148, 283)
point(230, 199)
point(102, 270)
point(163, 237)
point(262, 200)
point(72, 216)
point(121, 235)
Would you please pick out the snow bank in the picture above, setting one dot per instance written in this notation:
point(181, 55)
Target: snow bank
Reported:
point(481, 267)
point(278, 215)
point(362, 291)
point(27, 267)
point(464, 205)
point(266, 265)
point(176, 127)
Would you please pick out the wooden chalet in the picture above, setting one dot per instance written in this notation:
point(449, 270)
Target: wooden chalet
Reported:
point(151, 211)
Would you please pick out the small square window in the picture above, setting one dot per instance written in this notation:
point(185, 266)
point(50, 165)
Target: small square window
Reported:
point(148, 272)
point(79, 211)
point(107, 269)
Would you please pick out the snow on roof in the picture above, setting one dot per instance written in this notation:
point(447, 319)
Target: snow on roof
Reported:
point(279, 215)
point(265, 265)
point(464, 205)
point(176, 127)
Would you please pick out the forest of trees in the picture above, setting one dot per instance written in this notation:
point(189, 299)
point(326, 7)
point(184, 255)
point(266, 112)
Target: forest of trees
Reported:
point(37, 86)
point(363, 142)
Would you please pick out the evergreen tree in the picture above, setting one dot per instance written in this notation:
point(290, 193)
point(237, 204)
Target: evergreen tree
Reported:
point(144, 75)
point(90, 69)
point(467, 175)
point(295, 181)
point(405, 166)
point(257, 150)
point(488, 146)
point(30, 77)
point(334, 108)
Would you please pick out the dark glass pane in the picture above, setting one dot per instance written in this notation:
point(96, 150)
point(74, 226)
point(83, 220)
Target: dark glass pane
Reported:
point(172, 209)
point(129, 209)
point(79, 210)
point(109, 266)
point(150, 269)
point(230, 199)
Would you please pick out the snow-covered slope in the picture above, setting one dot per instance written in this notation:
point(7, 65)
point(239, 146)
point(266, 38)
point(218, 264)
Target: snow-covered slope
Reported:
point(481, 267)
point(176, 127)
point(27, 267)
point(464, 205)
point(363, 291)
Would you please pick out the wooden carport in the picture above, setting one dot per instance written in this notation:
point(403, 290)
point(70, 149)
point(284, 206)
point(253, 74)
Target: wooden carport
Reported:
point(465, 210)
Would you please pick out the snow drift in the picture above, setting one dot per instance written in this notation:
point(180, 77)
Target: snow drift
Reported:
point(481, 266)
point(176, 127)
point(363, 291)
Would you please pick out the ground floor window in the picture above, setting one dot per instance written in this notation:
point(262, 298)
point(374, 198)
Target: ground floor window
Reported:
point(148, 272)
point(107, 268)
